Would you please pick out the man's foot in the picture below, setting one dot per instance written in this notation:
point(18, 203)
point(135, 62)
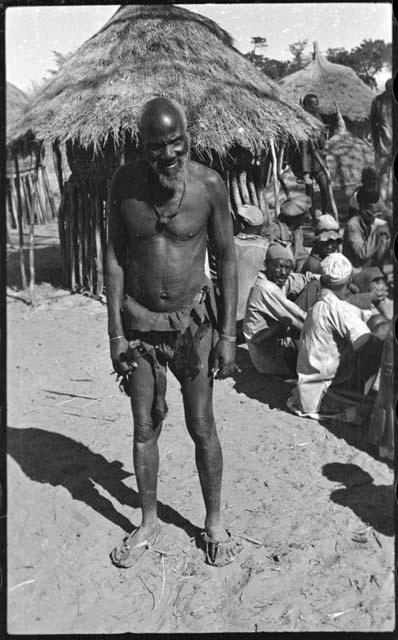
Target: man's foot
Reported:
point(220, 547)
point(134, 546)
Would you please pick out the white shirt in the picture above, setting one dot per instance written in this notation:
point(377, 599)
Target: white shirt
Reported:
point(266, 305)
point(330, 326)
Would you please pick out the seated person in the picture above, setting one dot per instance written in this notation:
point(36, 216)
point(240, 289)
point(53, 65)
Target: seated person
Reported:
point(370, 185)
point(339, 357)
point(272, 321)
point(288, 226)
point(363, 298)
point(371, 280)
point(366, 239)
point(381, 428)
point(251, 248)
point(327, 240)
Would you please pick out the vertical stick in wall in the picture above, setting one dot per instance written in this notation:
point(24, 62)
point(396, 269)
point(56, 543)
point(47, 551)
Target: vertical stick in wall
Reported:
point(71, 213)
point(236, 199)
point(91, 188)
point(62, 240)
point(275, 178)
point(34, 208)
point(20, 223)
point(251, 187)
point(49, 193)
point(260, 178)
point(242, 180)
point(57, 157)
point(80, 227)
point(98, 242)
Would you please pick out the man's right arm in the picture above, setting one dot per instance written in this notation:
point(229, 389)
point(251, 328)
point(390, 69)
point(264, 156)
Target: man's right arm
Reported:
point(115, 261)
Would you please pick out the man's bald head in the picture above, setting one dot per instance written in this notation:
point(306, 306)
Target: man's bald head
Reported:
point(163, 140)
point(160, 111)
point(388, 85)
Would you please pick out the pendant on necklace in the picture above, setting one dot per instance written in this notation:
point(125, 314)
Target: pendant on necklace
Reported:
point(164, 217)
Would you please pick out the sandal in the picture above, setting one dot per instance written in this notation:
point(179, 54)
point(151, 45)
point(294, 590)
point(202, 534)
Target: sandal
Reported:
point(126, 554)
point(216, 550)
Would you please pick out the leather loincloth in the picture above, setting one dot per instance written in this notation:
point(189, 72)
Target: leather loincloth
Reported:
point(167, 339)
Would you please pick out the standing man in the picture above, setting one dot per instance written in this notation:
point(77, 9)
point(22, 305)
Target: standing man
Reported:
point(381, 130)
point(161, 210)
point(313, 155)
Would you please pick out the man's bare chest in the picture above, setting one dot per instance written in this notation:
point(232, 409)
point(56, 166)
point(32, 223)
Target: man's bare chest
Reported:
point(144, 221)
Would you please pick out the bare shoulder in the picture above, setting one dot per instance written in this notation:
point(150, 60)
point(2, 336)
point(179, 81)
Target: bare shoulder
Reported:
point(127, 179)
point(211, 180)
point(207, 176)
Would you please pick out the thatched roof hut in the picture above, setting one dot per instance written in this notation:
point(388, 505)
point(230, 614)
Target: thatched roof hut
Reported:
point(148, 50)
point(238, 119)
point(332, 83)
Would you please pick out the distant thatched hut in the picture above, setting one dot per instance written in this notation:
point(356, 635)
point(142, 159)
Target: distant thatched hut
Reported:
point(238, 119)
point(334, 84)
point(28, 194)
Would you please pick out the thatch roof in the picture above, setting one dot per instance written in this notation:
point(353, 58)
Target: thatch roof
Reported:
point(16, 103)
point(149, 50)
point(331, 83)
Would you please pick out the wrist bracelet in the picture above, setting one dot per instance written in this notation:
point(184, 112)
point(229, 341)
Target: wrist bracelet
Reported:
point(116, 338)
point(227, 338)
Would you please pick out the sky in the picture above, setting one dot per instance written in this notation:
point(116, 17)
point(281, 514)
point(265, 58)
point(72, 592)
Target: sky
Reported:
point(33, 33)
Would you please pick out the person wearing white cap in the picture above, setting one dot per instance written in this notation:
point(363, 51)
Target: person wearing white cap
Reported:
point(273, 321)
point(338, 356)
point(326, 241)
point(250, 248)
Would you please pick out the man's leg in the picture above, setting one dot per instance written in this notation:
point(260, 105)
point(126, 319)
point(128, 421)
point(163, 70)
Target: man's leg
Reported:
point(198, 406)
point(145, 447)
point(309, 191)
point(322, 182)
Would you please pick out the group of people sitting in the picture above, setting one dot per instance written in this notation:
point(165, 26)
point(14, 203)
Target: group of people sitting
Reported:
point(322, 317)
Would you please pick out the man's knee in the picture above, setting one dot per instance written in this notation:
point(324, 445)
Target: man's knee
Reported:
point(145, 430)
point(202, 429)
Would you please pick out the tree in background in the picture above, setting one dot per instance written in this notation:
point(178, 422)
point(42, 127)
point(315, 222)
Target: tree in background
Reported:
point(277, 69)
point(299, 59)
point(367, 59)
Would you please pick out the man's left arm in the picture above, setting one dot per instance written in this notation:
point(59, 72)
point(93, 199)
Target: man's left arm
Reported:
point(221, 230)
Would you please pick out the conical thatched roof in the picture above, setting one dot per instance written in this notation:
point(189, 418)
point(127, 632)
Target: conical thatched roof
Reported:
point(149, 50)
point(16, 103)
point(331, 83)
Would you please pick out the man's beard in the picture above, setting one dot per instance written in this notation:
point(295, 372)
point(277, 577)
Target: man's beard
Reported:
point(170, 180)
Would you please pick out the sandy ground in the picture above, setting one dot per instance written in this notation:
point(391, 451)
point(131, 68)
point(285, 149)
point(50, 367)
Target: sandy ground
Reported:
point(312, 502)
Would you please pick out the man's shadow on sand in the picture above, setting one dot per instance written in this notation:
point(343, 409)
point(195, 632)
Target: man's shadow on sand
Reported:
point(269, 390)
point(48, 457)
point(374, 504)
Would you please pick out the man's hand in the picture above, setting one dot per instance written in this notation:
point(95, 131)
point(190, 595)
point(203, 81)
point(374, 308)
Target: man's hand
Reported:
point(378, 295)
point(307, 179)
point(119, 348)
point(224, 359)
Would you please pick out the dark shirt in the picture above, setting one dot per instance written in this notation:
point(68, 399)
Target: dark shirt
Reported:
point(313, 264)
point(307, 298)
point(278, 230)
